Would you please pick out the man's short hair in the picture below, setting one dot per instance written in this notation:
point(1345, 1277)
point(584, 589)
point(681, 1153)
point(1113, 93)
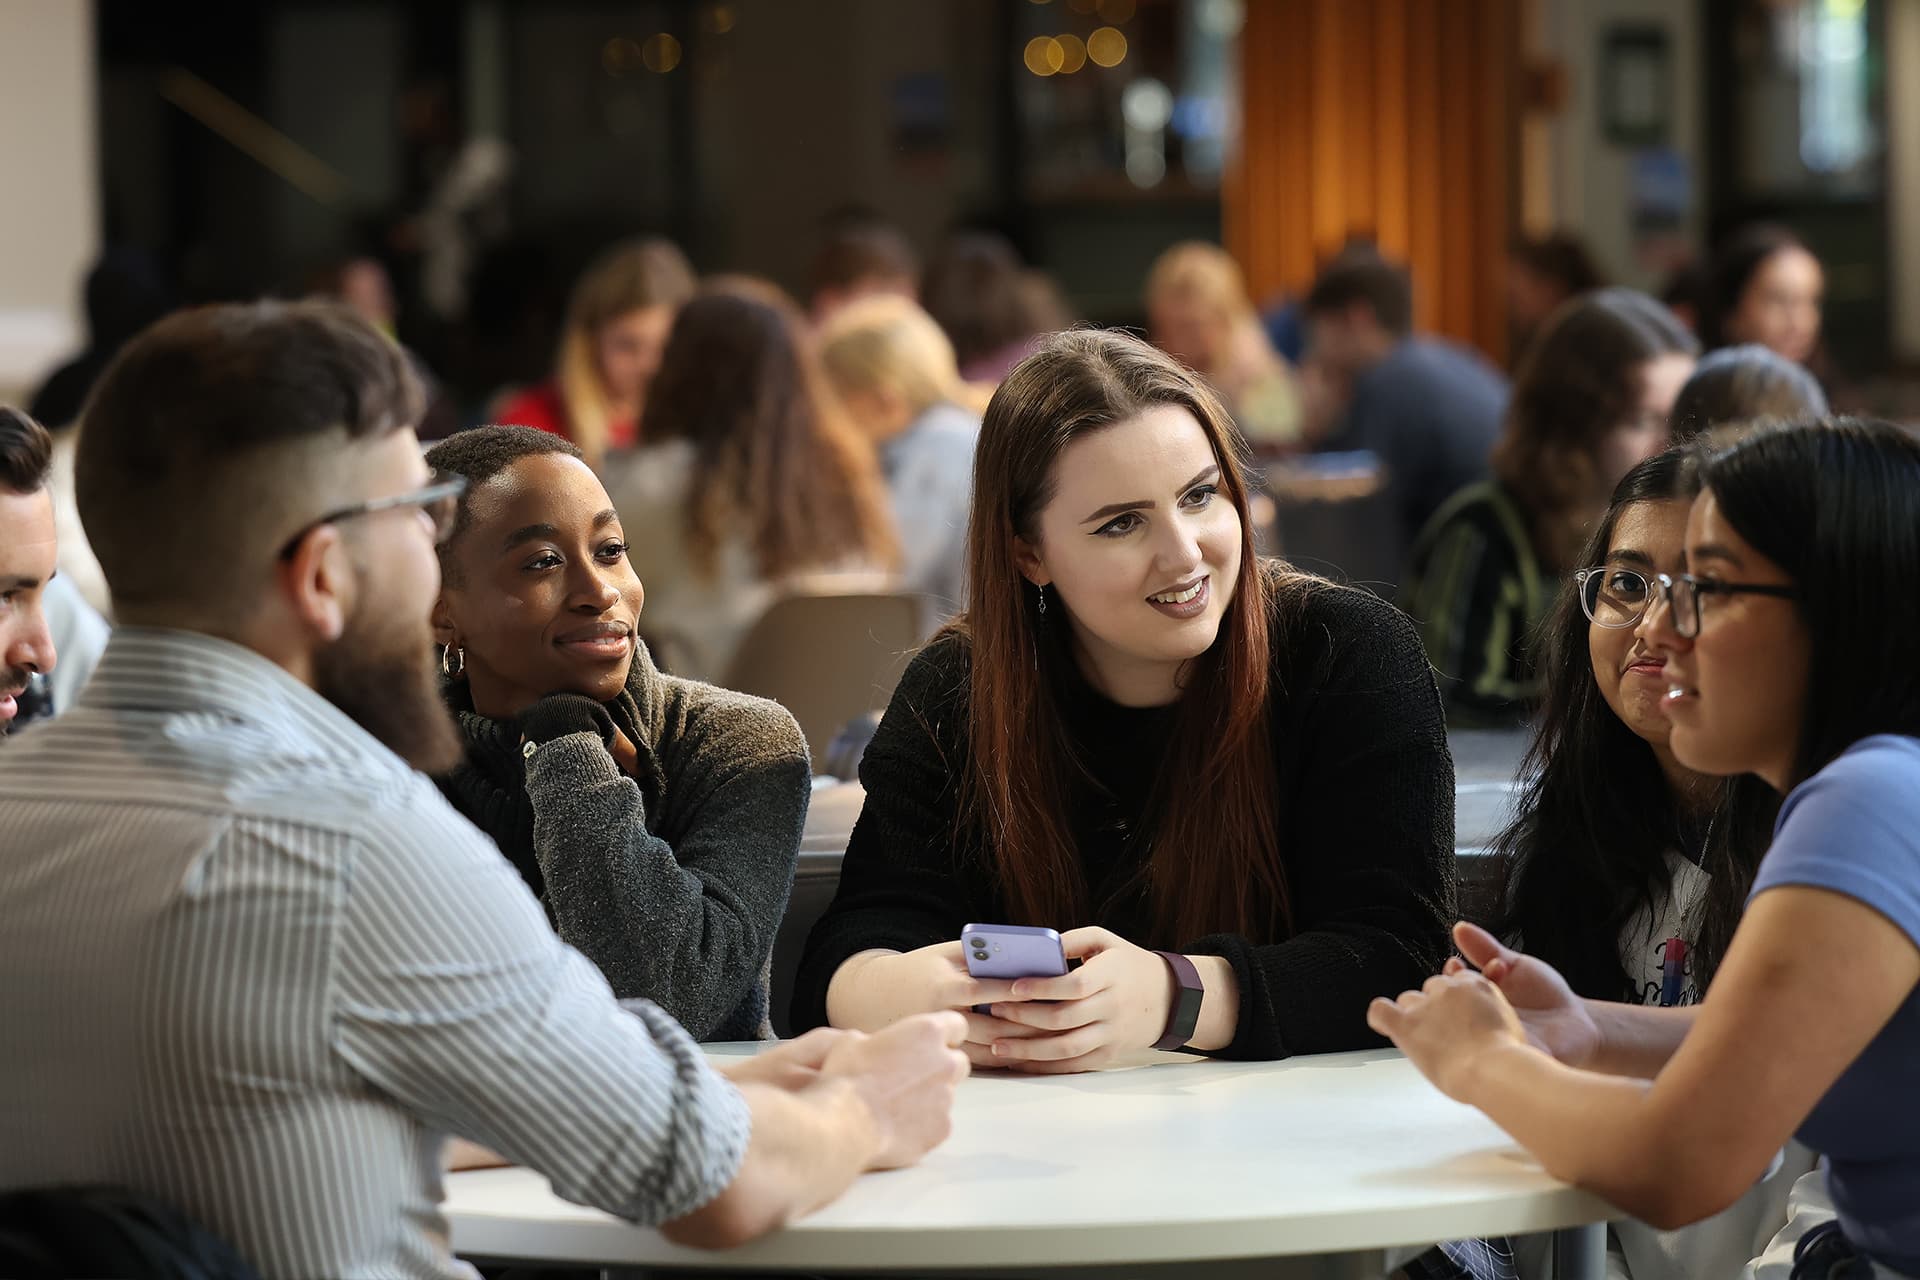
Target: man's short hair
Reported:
point(26, 452)
point(217, 433)
point(1383, 286)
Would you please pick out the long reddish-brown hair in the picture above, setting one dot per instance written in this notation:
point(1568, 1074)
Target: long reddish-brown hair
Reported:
point(1214, 862)
point(774, 453)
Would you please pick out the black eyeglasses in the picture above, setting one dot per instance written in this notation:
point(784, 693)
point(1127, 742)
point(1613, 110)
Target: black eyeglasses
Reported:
point(1620, 597)
point(439, 501)
point(1684, 597)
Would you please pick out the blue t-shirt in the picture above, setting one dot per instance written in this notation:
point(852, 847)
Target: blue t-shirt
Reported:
point(1854, 828)
point(1430, 412)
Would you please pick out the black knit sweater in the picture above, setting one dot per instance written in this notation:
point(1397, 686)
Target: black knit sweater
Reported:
point(673, 883)
point(1365, 816)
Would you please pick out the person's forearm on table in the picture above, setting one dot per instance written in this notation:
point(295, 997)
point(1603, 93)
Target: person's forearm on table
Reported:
point(856, 1001)
point(807, 1146)
point(1601, 1133)
point(1636, 1040)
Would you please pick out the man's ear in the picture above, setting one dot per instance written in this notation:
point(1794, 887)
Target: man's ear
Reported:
point(1026, 558)
point(320, 584)
point(442, 618)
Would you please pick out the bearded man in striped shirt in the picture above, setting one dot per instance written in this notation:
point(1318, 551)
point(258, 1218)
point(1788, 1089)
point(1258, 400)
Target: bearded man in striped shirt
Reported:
point(257, 968)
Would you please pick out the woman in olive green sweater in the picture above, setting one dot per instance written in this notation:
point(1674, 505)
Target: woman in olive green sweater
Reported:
point(658, 819)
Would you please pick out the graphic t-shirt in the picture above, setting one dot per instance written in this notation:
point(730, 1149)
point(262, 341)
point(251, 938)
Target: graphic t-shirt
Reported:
point(1656, 947)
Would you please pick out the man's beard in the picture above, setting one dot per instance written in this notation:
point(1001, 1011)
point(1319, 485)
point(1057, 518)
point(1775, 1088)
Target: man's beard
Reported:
point(13, 680)
point(383, 679)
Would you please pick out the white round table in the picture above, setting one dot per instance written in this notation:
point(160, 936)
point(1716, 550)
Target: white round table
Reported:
point(1181, 1166)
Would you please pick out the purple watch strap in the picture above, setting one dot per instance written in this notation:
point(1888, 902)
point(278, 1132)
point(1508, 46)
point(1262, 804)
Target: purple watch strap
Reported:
point(1184, 1016)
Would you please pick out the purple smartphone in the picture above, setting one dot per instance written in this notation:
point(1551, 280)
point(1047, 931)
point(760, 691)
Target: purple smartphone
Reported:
point(1013, 951)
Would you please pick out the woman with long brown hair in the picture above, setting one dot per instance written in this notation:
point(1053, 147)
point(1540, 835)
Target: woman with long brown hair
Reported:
point(617, 323)
point(753, 480)
point(1205, 769)
point(1590, 402)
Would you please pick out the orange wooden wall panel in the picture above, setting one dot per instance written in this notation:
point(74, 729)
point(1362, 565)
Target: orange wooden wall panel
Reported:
point(1392, 121)
point(1396, 119)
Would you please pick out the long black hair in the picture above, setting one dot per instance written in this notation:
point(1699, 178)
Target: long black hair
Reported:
point(1587, 847)
point(1838, 508)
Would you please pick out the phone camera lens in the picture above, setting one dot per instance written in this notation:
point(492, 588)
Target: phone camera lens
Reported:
point(979, 955)
point(979, 942)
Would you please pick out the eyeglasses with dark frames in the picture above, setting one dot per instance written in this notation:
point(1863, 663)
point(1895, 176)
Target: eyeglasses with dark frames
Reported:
point(1685, 594)
point(439, 500)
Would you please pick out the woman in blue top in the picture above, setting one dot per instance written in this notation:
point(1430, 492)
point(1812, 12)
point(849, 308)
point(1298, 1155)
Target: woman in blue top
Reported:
point(1789, 654)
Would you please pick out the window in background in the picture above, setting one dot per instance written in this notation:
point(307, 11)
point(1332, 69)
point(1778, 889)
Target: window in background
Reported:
point(1796, 105)
point(1837, 135)
point(1124, 96)
point(1122, 114)
point(1805, 74)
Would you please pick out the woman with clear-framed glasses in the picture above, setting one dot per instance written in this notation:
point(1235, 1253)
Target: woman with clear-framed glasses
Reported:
point(1616, 846)
point(1626, 871)
point(1787, 651)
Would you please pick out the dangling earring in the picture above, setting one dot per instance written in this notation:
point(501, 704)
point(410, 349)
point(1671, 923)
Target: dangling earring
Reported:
point(452, 660)
point(1041, 591)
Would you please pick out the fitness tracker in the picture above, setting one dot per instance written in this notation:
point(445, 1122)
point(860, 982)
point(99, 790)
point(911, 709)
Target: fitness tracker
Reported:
point(1185, 1014)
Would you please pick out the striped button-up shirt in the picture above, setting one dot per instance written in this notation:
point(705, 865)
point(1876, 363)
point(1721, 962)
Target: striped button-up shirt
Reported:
point(255, 965)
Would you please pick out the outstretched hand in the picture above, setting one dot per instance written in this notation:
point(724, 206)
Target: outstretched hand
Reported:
point(1448, 1027)
point(1555, 1020)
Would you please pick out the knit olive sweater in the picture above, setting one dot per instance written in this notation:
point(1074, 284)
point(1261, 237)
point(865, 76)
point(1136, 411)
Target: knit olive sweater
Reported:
point(1365, 788)
point(673, 884)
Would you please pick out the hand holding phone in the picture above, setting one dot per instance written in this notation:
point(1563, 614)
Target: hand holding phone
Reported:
point(1010, 951)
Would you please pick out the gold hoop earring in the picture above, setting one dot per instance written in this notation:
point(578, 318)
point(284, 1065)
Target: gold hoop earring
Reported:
point(453, 660)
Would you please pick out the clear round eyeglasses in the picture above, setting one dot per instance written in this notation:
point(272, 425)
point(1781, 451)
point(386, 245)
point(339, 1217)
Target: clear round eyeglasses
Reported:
point(1615, 597)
